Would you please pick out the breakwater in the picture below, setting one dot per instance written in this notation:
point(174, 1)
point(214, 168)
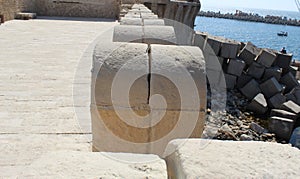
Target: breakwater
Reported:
point(252, 17)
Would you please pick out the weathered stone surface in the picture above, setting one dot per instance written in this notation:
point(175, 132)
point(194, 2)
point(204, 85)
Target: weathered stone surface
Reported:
point(249, 53)
point(230, 81)
point(251, 89)
point(214, 77)
point(128, 33)
point(200, 39)
point(289, 81)
point(133, 15)
point(236, 67)
point(266, 58)
point(272, 72)
point(197, 159)
point(131, 21)
point(72, 164)
point(256, 70)
point(159, 35)
point(229, 48)
point(276, 101)
point(213, 62)
point(283, 60)
point(291, 107)
point(243, 80)
point(159, 22)
point(283, 114)
point(257, 128)
point(148, 16)
point(258, 105)
point(282, 127)
point(270, 87)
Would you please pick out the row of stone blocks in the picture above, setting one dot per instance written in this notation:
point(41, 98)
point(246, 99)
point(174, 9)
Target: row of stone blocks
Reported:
point(264, 76)
point(146, 94)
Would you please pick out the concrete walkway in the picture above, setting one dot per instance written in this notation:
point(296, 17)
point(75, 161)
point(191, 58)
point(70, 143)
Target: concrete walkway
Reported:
point(38, 62)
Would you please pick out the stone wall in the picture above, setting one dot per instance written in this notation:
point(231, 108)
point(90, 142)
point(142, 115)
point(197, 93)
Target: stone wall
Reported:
point(8, 8)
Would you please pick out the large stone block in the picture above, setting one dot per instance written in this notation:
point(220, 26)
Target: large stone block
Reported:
point(243, 80)
point(229, 48)
point(266, 58)
point(289, 81)
point(131, 21)
point(230, 81)
point(159, 35)
point(272, 72)
point(148, 16)
point(256, 70)
point(236, 67)
point(271, 87)
point(128, 33)
point(213, 62)
point(276, 101)
point(249, 53)
point(283, 114)
point(251, 89)
point(283, 60)
point(200, 158)
point(291, 107)
point(214, 78)
point(213, 45)
point(158, 22)
point(258, 104)
point(282, 127)
point(200, 39)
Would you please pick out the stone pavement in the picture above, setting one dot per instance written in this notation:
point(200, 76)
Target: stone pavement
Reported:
point(38, 62)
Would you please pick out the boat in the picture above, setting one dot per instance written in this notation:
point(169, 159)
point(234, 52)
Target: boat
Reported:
point(282, 33)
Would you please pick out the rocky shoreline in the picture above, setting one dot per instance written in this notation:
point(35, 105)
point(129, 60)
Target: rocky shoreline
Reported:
point(239, 15)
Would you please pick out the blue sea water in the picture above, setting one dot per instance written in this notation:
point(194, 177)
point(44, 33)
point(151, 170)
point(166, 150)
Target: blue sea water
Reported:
point(261, 34)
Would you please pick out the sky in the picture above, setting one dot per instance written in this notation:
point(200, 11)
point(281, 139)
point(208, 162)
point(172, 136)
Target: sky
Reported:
point(288, 5)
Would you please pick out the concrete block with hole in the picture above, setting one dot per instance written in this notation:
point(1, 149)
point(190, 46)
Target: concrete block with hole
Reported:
point(271, 87)
point(236, 67)
point(251, 89)
point(258, 105)
point(266, 58)
point(291, 107)
point(249, 53)
point(282, 127)
point(256, 70)
point(213, 45)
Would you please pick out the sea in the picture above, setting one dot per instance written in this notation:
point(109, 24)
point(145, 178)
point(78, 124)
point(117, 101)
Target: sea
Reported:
point(261, 34)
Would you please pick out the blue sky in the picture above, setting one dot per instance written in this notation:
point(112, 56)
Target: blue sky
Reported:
point(258, 4)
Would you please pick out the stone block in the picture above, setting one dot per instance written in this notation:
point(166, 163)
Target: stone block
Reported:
point(213, 45)
point(258, 104)
point(283, 60)
point(283, 114)
point(196, 158)
point(213, 62)
point(158, 22)
point(289, 81)
point(236, 67)
point(266, 58)
point(128, 33)
point(182, 66)
point(256, 70)
point(291, 107)
point(148, 16)
point(200, 39)
point(230, 81)
point(249, 53)
point(272, 72)
point(276, 101)
point(282, 127)
point(291, 69)
point(270, 87)
point(131, 21)
point(243, 80)
point(132, 15)
point(159, 35)
point(214, 78)
point(229, 48)
point(251, 89)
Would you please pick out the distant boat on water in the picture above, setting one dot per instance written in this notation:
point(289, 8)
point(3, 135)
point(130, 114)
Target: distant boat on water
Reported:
point(285, 34)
